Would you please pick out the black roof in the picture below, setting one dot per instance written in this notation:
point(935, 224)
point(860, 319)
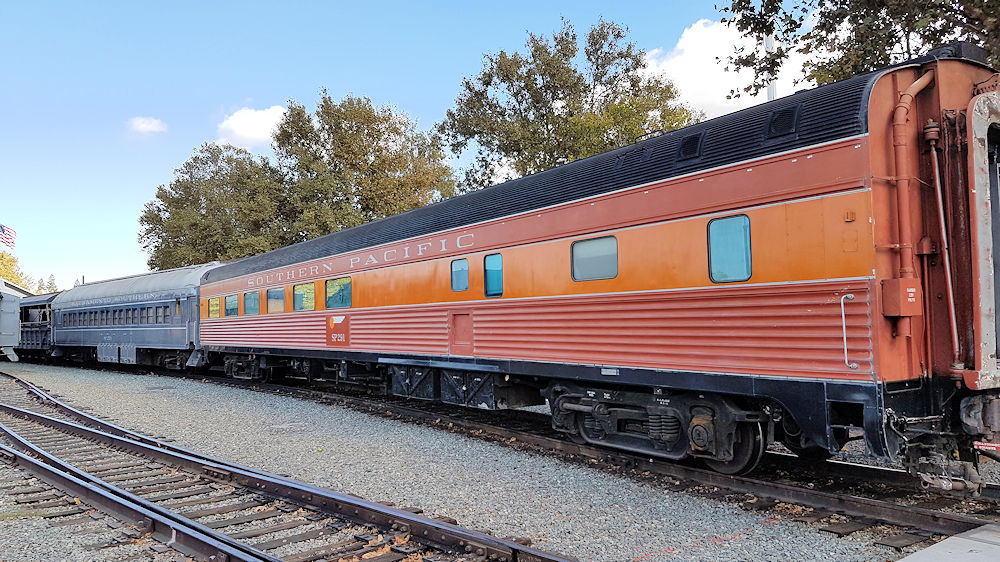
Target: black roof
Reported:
point(806, 118)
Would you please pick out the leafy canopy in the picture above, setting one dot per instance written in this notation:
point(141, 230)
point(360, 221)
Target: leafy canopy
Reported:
point(528, 112)
point(347, 164)
point(351, 162)
point(221, 205)
point(11, 271)
point(842, 38)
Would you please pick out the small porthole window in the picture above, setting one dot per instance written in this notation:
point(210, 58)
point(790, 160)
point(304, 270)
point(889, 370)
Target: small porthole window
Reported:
point(729, 249)
point(460, 275)
point(596, 258)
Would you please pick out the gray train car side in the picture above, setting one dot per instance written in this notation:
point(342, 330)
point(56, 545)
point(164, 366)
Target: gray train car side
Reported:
point(10, 324)
point(36, 326)
point(148, 319)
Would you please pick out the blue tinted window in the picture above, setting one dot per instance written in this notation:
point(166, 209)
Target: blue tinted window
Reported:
point(338, 293)
point(493, 270)
point(729, 249)
point(251, 303)
point(460, 275)
point(232, 305)
point(304, 297)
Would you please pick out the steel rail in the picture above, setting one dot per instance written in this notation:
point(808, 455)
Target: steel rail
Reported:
point(925, 519)
point(434, 532)
point(928, 520)
point(182, 537)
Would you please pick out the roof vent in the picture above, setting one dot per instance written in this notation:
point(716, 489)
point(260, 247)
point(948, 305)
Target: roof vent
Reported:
point(783, 122)
point(690, 147)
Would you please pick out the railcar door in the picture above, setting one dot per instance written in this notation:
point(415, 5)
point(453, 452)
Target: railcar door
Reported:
point(993, 152)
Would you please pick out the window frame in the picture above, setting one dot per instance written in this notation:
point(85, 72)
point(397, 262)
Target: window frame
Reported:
point(257, 302)
point(486, 289)
point(326, 293)
point(572, 261)
point(749, 245)
point(453, 262)
point(155, 317)
point(236, 307)
point(309, 285)
point(279, 290)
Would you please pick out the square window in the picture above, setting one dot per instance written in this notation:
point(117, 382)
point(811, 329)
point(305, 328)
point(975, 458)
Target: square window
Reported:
point(304, 297)
point(729, 249)
point(596, 258)
point(338, 293)
point(213, 310)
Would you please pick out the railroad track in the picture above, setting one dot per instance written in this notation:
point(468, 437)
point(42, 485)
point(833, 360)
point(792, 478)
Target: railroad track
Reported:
point(208, 508)
point(917, 520)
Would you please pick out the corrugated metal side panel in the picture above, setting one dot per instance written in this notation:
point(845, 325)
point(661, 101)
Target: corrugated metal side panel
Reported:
point(776, 330)
point(292, 330)
point(422, 330)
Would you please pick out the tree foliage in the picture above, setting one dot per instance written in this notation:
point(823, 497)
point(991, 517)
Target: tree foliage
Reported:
point(528, 112)
point(11, 270)
point(841, 38)
point(221, 205)
point(351, 162)
point(347, 164)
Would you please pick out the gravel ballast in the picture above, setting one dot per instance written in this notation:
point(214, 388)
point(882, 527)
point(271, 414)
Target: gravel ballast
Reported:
point(563, 507)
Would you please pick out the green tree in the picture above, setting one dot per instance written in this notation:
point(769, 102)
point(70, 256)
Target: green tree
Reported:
point(11, 270)
point(841, 38)
point(50, 285)
point(351, 162)
point(528, 112)
point(221, 205)
point(40, 288)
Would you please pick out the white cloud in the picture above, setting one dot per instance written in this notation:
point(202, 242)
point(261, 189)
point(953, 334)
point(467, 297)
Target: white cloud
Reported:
point(146, 125)
point(702, 80)
point(250, 127)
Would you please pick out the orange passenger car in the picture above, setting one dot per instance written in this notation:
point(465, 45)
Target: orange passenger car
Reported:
point(811, 270)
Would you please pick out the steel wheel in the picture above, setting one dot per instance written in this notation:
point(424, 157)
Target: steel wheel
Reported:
point(747, 450)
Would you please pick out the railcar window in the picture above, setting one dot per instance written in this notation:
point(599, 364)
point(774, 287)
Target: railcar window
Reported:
point(304, 297)
point(251, 303)
point(232, 305)
point(275, 300)
point(729, 249)
point(213, 309)
point(596, 258)
point(493, 274)
point(460, 275)
point(338, 293)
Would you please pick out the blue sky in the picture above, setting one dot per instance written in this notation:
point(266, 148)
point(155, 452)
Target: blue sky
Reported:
point(74, 174)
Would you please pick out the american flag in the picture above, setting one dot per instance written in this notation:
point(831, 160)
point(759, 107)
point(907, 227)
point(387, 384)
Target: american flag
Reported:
point(7, 235)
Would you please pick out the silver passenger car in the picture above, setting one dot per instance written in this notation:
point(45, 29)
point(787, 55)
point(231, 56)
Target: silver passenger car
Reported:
point(147, 319)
